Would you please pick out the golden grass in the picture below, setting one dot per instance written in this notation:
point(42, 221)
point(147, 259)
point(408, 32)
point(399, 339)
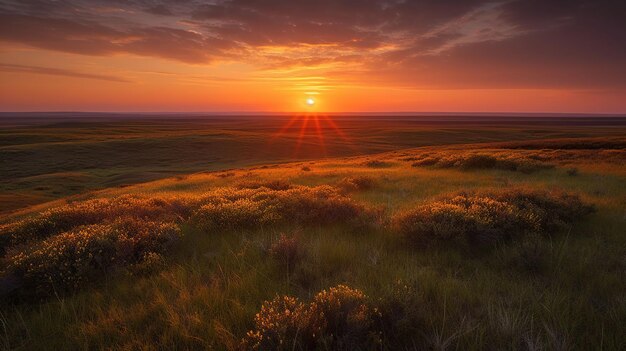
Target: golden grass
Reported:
point(203, 291)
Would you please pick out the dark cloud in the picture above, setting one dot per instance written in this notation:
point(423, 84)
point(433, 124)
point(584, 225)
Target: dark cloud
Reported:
point(90, 38)
point(160, 10)
point(423, 43)
point(58, 72)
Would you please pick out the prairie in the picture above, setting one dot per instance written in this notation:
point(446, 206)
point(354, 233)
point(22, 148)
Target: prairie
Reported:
point(502, 237)
point(47, 156)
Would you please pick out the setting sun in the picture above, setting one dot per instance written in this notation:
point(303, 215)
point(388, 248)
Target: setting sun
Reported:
point(310, 102)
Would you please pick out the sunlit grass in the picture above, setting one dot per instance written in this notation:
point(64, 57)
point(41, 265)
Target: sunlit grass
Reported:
point(562, 288)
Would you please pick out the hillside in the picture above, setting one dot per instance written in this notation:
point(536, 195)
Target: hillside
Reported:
point(508, 245)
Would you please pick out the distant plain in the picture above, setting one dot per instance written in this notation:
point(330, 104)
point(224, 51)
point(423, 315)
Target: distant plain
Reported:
point(46, 156)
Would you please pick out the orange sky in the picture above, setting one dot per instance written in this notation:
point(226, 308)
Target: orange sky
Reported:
point(249, 56)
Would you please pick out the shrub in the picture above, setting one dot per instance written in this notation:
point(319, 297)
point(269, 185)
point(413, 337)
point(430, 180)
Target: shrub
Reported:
point(348, 320)
point(251, 208)
point(225, 175)
point(66, 217)
point(288, 250)
point(377, 164)
point(241, 213)
point(402, 313)
point(489, 217)
point(428, 161)
point(357, 183)
point(572, 172)
point(274, 185)
point(472, 161)
point(338, 318)
point(280, 324)
point(68, 261)
point(478, 162)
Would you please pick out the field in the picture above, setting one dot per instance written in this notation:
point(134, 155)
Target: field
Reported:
point(390, 233)
point(49, 156)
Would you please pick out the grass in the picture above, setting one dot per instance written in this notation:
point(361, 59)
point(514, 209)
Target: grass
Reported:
point(288, 241)
point(54, 156)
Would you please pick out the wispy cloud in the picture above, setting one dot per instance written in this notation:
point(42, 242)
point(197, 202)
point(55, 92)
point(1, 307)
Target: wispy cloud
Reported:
point(6, 67)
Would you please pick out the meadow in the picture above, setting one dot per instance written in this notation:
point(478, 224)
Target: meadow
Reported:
point(47, 156)
point(494, 236)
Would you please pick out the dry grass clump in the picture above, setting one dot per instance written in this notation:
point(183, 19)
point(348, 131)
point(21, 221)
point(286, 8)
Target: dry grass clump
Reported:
point(252, 208)
point(339, 318)
point(485, 218)
point(471, 161)
point(356, 183)
point(274, 185)
point(225, 174)
point(63, 218)
point(288, 249)
point(68, 261)
point(377, 164)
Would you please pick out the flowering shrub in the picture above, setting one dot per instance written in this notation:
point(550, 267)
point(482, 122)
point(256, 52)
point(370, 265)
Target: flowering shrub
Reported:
point(280, 324)
point(66, 217)
point(486, 218)
point(67, 261)
point(250, 208)
point(337, 318)
point(377, 164)
point(63, 247)
point(469, 161)
point(357, 183)
point(347, 320)
point(274, 185)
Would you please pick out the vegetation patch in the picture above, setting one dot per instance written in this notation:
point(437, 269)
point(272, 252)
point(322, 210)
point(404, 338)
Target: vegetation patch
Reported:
point(486, 218)
point(483, 161)
point(377, 164)
point(273, 185)
point(63, 218)
point(289, 250)
point(254, 208)
point(340, 318)
point(68, 261)
point(356, 183)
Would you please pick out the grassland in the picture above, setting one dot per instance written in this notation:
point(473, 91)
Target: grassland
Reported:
point(502, 246)
point(49, 156)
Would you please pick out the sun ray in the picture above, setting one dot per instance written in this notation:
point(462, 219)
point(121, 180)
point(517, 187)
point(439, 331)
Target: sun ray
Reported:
point(302, 134)
point(285, 128)
point(320, 134)
point(339, 132)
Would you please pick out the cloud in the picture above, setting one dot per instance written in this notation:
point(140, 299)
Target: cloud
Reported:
point(12, 68)
point(90, 38)
point(420, 43)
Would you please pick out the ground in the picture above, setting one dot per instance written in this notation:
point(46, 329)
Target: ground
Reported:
point(282, 227)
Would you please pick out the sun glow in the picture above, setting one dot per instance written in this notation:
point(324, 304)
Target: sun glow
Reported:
point(310, 101)
point(312, 130)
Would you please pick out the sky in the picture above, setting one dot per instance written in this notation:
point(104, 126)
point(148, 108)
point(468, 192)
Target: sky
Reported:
point(346, 55)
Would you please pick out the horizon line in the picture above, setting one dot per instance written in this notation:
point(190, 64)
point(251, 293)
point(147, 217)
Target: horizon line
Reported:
point(350, 113)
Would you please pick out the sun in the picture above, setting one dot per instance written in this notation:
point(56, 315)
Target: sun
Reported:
point(310, 101)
